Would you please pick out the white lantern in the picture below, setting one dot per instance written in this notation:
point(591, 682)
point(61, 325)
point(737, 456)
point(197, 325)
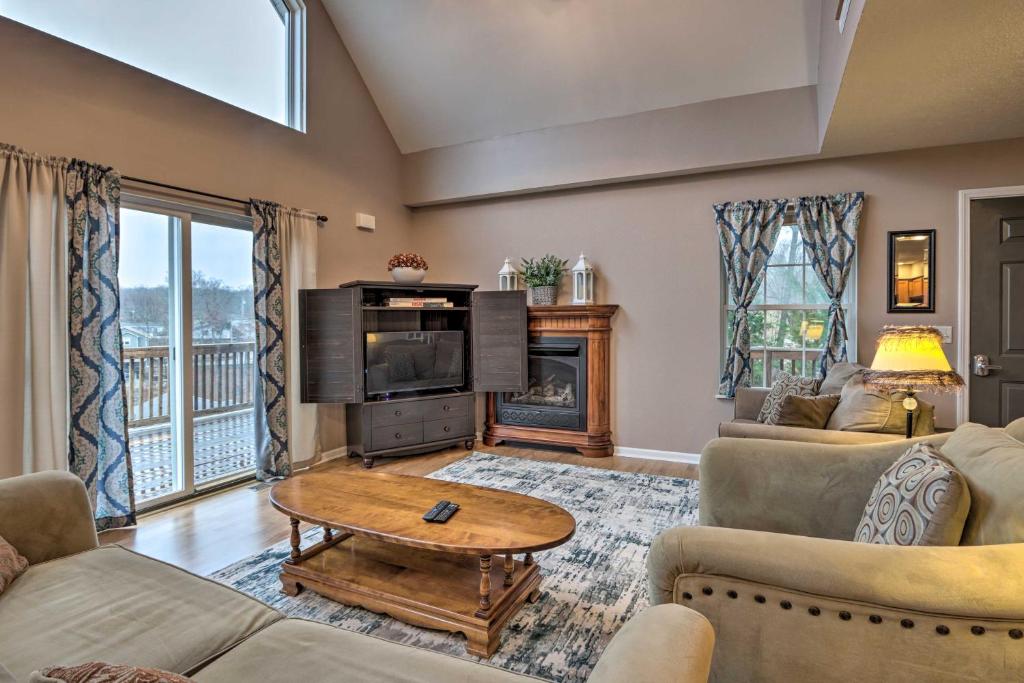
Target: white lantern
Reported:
point(583, 282)
point(508, 277)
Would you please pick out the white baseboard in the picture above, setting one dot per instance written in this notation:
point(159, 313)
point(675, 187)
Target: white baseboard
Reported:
point(649, 454)
point(333, 454)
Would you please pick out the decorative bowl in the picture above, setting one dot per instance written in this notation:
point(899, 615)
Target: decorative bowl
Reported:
point(408, 276)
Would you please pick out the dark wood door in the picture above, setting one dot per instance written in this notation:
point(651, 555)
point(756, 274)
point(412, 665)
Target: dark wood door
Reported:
point(500, 337)
point(997, 310)
point(331, 348)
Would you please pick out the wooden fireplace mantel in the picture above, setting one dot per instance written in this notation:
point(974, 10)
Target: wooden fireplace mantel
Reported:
point(594, 322)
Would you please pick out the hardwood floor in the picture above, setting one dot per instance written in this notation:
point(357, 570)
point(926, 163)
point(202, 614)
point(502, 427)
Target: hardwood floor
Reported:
point(209, 533)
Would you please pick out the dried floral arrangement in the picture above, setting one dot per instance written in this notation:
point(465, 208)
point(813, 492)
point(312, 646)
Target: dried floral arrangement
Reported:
point(408, 260)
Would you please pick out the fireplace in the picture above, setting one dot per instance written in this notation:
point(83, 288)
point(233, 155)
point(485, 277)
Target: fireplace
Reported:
point(556, 395)
point(567, 401)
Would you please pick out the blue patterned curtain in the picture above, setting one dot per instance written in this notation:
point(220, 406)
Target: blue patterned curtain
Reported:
point(271, 408)
point(828, 225)
point(747, 232)
point(98, 441)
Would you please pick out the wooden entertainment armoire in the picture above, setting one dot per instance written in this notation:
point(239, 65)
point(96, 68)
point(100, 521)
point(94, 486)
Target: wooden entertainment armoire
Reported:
point(333, 329)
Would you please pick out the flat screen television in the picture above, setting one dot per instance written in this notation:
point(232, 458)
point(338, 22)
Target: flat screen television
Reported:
point(413, 361)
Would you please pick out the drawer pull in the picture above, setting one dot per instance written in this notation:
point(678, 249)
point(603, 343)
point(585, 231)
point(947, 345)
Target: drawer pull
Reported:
point(446, 407)
point(447, 428)
point(398, 435)
point(398, 413)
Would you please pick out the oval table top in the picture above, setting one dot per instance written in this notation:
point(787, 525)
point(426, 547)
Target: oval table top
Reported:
point(390, 508)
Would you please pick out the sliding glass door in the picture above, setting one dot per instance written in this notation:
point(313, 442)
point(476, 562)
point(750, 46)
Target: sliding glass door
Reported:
point(189, 360)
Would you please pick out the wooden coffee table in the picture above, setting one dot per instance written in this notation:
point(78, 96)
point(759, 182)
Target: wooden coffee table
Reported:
point(378, 553)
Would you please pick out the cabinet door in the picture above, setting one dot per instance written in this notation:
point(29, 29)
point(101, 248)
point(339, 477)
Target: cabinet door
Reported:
point(330, 348)
point(500, 337)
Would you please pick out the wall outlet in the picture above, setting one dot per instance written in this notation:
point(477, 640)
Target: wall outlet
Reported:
point(947, 333)
point(365, 221)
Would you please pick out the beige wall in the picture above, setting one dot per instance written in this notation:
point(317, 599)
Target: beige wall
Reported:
point(656, 250)
point(58, 98)
point(734, 131)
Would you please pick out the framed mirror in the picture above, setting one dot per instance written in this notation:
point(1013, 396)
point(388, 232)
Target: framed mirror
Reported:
point(912, 271)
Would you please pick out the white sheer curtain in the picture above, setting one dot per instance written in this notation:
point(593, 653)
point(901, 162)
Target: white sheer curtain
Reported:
point(33, 313)
point(298, 237)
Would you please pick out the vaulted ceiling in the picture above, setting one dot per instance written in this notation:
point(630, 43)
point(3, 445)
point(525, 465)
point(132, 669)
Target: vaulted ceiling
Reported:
point(493, 97)
point(444, 72)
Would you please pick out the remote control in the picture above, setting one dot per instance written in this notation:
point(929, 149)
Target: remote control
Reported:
point(446, 514)
point(435, 511)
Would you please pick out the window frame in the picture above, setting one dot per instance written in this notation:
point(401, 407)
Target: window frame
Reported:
point(850, 307)
point(293, 13)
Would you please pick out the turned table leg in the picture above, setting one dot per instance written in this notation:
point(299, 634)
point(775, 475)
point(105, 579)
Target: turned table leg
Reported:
point(485, 583)
point(528, 560)
point(295, 539)
point(510, 566)
point(328, 535)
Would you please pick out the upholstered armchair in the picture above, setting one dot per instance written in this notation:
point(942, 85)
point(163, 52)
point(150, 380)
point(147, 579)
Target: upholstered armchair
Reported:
point(792, 598)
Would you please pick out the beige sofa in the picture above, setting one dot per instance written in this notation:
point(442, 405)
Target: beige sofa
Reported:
point(791, 598)
point(82, 602)
point(744, 425)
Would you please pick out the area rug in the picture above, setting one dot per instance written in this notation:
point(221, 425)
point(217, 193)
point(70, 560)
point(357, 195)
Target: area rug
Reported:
point(591, 584)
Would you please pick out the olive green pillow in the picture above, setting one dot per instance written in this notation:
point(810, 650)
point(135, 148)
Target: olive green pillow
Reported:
point(811, 412)
point(992, 461)
point(864, 409)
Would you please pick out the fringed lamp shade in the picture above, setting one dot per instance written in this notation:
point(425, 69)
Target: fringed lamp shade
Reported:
point(912, 358)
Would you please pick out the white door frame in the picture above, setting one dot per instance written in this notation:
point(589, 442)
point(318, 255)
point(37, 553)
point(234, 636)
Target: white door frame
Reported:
point(963, 305)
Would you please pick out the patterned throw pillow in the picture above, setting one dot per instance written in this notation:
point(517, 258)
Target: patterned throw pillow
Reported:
point(921, 499)
point(98, 672)
point(785, 385)
point(12, 564)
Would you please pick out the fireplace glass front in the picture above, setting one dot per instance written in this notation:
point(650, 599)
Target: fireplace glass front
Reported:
point(556, 393)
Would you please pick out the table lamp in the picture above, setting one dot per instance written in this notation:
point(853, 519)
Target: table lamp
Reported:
point(910, 359)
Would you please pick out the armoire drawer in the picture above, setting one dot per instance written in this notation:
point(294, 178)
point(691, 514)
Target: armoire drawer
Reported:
point(396, 436)
point(402, 412)
point(444, 408)
point(438, 430)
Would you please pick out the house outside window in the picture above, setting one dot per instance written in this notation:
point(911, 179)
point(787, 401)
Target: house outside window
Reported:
point(789, 317)
point(248, 53)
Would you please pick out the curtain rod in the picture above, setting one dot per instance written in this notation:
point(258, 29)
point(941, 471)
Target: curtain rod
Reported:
point(321, 217)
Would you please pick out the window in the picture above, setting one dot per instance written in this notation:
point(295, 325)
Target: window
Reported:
point(789, 317)
point(249, 53)
point(185, 278)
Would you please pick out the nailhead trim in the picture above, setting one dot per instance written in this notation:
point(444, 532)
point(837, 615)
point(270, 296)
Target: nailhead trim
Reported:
point(942, 630)
point(1016, 633)
point(978, 630)
point(732, 594)
point(845, 616)
point(687, 596)
point(875, 619)
point(813, 611)
point(786, 604)
point(760, 598)
point(907, 623)
point(706, 590)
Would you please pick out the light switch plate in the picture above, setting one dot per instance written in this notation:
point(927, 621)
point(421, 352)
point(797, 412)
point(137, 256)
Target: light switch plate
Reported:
point(947, 333)
point(365, 221)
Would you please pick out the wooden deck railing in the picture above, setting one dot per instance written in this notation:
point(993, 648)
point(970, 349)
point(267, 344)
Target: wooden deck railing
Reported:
point(788, 360)
point(222, 381)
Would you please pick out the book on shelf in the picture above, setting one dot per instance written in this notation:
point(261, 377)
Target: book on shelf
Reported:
point(420, 304)
point(418, 299)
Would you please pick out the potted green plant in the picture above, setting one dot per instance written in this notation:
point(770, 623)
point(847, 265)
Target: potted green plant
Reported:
point(543, 276)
